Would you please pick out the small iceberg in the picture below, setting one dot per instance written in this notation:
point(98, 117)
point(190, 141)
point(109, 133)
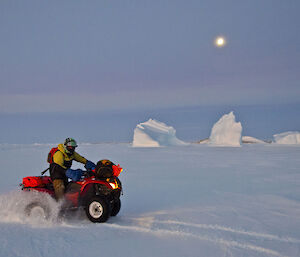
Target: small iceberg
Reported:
point(153, 133)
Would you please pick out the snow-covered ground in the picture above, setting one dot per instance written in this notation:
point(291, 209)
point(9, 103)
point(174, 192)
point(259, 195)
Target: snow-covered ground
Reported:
point(195, 200)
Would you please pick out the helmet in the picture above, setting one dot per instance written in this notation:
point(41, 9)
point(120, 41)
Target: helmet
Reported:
point(70, 145)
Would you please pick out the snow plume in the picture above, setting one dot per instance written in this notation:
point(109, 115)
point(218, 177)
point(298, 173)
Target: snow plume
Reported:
point(226, 132)
point(288, 138)
point(13, 205)
point(153, 133)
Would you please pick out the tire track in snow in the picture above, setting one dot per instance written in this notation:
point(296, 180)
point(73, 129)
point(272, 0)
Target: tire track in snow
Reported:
point(165, 232)
point(231, 230)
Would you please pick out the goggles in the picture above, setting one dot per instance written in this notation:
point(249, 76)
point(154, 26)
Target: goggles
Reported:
point(70, 148)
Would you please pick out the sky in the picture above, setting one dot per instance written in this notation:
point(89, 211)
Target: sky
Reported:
point(67, 61)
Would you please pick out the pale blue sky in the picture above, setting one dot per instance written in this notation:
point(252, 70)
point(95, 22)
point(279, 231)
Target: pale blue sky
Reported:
point(62, 57)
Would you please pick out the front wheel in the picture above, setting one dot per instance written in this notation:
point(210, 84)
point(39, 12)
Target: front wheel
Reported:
point(97, 209)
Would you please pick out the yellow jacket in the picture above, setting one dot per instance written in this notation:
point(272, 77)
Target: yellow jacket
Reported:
point(65, 161)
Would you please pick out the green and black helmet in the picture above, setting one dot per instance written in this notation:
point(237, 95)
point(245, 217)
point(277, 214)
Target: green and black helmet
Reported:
point(70, 145)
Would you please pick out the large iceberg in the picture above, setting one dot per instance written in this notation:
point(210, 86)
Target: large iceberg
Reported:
point(153, 133)
point(226, 131)
point(289, 138)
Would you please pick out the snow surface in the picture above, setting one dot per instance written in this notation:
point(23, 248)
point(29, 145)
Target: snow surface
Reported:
point(288, 138)
point(194, 200)
point(226, 131)
point(153, 133)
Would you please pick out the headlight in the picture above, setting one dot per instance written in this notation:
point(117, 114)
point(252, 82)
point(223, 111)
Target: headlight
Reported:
point(113, 185)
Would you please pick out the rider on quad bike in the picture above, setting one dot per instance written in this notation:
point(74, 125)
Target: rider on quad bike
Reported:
point(60, 159)
point(97, 192)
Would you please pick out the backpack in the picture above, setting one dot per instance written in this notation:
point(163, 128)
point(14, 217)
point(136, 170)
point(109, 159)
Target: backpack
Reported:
point(107, 169)
point(51, 153)
point(104, 169)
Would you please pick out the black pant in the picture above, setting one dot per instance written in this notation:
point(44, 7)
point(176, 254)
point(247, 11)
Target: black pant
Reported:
point(58, 172)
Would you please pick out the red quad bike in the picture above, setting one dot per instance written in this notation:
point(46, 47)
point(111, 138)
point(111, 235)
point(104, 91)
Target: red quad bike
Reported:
point(99, 196)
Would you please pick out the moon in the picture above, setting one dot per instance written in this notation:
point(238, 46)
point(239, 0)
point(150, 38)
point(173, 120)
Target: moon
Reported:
point(220, 41)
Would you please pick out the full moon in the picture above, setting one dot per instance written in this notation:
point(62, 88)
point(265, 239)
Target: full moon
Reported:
point(220, 42)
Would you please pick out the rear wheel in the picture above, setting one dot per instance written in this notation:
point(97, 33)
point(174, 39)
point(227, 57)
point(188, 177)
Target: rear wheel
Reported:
point(97, 209)
point(37, 210)
point(116, 207)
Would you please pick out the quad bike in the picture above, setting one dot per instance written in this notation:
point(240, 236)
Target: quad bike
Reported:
point(99, 197)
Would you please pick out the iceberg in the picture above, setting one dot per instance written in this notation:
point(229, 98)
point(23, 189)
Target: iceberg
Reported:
point(252, 140)
point(153, 133)
point(288, 138)
point(226, 131)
